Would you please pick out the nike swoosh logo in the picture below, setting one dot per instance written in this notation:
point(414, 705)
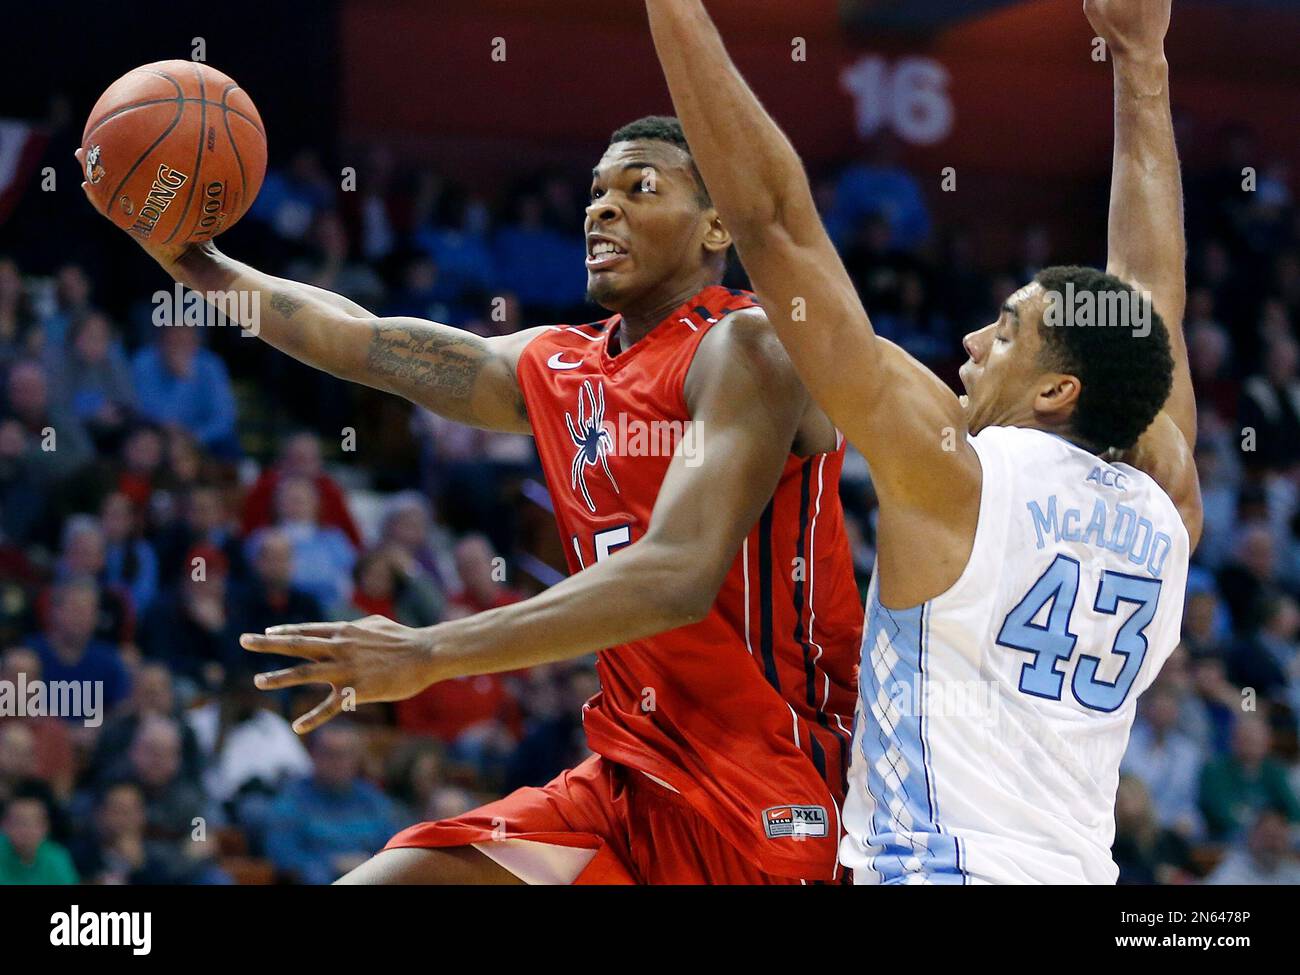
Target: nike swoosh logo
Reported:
point(557, 362)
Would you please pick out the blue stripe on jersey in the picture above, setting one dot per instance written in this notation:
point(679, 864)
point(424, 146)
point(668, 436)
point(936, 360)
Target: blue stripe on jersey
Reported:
point(910, 846)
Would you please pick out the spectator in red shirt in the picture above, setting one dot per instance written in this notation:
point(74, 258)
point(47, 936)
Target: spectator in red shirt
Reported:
point(52, 752)
point(481, 707)
point(140, 467)
point(388, 582)
point(301, 457)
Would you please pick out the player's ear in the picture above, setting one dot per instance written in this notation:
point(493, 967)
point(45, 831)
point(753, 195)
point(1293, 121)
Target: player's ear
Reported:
point(717, 238)
point(1057, 396)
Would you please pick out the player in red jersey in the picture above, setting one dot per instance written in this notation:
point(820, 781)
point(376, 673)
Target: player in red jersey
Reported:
point(696, 488)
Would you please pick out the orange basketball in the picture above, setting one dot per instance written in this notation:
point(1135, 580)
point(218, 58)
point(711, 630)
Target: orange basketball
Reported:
point(174, 152)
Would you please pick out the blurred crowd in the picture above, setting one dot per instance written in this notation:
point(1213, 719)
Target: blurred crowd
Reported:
point(163, 489)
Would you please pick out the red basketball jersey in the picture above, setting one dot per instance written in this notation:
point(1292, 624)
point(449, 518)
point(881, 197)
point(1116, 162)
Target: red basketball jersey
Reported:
point(748, 713)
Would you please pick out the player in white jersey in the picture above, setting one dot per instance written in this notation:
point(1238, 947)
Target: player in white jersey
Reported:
point(992, 718)
point(1034, 534)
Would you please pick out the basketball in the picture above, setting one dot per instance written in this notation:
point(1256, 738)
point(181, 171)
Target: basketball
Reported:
point(174, 151)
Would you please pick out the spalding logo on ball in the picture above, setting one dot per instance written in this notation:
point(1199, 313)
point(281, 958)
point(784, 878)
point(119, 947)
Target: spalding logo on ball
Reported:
point(175, 152)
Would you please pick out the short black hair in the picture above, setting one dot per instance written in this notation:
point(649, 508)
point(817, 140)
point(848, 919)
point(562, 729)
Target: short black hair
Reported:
point(663, 128)
point(1123, 361)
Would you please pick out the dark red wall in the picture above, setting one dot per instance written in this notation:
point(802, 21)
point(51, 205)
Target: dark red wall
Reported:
point(1026, 97)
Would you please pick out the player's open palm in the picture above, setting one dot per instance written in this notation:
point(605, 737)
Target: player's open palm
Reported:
point(1130, 26)
point(367, 661)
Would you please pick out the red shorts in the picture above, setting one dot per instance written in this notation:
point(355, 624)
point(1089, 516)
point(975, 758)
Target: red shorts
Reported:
point(600, 823)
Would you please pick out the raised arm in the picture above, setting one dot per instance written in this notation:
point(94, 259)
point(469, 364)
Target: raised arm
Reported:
point(747, 403)
point(759, 186)
point(1146, 243)
point(453, 372)
point(907, 423)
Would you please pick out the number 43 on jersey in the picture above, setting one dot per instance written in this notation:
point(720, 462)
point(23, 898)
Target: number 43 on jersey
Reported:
point(1052, 643)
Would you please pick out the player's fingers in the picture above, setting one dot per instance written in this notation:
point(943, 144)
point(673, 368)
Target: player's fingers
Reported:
point(329, 708)
point(308, 647)
point(325, 673)
point(306, 629)
point(80, 156)
point(85, 186)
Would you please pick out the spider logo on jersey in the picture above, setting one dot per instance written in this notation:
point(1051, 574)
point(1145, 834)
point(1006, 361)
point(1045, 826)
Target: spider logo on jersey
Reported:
point(591, 438)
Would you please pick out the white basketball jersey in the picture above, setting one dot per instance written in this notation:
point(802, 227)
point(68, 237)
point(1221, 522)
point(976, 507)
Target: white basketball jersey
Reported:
point(991, 720)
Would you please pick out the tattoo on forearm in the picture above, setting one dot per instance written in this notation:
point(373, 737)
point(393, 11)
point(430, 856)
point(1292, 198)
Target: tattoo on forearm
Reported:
point(285, 304)
point(438, 363)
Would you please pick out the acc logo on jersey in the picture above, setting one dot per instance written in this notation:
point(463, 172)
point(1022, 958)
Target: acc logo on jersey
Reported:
point(591, 438)
point(800, 822)
point(1108, 477)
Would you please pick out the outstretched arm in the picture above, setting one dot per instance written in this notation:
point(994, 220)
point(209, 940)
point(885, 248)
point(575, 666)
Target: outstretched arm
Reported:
point(455, 373)
point(1146, 243)
point(907, 423)
point(746, 403)
point(450, 371)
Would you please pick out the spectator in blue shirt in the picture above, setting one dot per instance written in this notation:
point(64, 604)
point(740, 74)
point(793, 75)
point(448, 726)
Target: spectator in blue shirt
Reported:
point(69, 651)
point(72, 290)
point(880, 186)
point(323, 556)
point(425, 294)
point(84, 555)
point(1167, 761)
point(455, 237)
point(543, 266)
point(290, 200)
point(181, 384)
point(322, 827)
point(129, 560)
point(1266, 660)
point(90, 378)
